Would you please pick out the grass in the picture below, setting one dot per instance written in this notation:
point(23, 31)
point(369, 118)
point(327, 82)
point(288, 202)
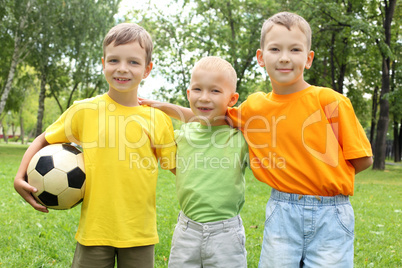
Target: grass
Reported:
point(31, 239)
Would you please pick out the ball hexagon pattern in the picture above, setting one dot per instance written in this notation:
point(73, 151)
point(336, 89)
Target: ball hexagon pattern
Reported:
point(58, 172)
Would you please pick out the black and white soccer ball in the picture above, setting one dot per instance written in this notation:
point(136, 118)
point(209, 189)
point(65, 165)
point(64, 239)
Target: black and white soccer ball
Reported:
point(58, 172)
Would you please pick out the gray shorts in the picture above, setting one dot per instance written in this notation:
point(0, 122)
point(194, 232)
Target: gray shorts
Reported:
point(213, 244)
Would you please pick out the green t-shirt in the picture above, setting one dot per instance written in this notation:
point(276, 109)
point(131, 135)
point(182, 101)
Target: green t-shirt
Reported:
point(210, 165)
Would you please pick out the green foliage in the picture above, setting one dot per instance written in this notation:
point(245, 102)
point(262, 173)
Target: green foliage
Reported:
point(62, 41)
point(47, 240)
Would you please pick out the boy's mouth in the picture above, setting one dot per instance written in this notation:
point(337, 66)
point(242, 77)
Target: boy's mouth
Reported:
point(122, 79)
point(284, 70)
point(204, 109)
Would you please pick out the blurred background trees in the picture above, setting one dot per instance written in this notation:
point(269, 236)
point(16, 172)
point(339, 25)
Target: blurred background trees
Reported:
point(51, 54)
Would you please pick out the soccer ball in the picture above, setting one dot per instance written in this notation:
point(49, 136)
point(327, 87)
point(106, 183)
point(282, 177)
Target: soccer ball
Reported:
point(58, 172)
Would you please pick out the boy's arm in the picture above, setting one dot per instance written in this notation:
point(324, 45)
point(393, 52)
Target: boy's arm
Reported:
point(362, 163)
point(178, 112)
point(20, 184)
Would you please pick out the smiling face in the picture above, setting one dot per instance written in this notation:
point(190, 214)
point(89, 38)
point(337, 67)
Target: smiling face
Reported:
point(124, 67)
point(210, 93)
point(285, 56)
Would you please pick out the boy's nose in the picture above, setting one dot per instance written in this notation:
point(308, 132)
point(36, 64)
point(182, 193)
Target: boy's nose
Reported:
point(204, 96)
point(284, 58)
point(122, 68)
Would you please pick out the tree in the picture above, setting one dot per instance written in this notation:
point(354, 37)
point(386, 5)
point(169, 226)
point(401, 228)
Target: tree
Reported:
point(395, 96)
point(83, 36)
point(20, 23)
point(63, 38)
point(387, 9)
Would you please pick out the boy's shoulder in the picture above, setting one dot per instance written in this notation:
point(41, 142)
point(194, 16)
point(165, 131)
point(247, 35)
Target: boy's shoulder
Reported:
point(90, 100)
point(327, 95)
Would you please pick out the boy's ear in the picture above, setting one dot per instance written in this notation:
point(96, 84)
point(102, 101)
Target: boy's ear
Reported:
point(103, 63)
point(233, 99)
point(148, 70)
point(310, 57)
point(188, 94)
point(260, 59)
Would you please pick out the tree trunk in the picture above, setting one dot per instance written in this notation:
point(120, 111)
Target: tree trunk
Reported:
point(400, 142)
point(383, 120)
point(332, 62)
point(41, 107)
point(5, 137)
point(15, 58)
point(22, 130)
point(13, 129)
point(373, 115)
point(11, 73)
point(397, 155)
point(382, 127)
point(71, 95)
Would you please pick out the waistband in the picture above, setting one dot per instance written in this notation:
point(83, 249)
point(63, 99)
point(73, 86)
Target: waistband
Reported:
point(210, 227)
point(309, 199)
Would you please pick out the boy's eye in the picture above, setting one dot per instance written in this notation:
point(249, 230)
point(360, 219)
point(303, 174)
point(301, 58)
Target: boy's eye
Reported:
point(274, 49)
point(296, 49)
point(113, 60)
point(133, 62)
point(196, 89)
point(216, 91)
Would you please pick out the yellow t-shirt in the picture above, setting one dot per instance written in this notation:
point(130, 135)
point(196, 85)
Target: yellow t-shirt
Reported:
point(122, 146)
point(300, 143)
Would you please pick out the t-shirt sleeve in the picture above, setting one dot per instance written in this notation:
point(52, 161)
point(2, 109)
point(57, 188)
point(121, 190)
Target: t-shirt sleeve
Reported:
point(165, 146)
point(236, 116)
point(351, 135)
point(64, 128)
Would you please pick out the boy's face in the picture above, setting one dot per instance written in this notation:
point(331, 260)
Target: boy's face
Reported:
point(124, 67)
point(285, 57)
point(210, 93)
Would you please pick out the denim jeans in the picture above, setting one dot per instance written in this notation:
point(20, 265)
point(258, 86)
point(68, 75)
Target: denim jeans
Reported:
point(307, 231)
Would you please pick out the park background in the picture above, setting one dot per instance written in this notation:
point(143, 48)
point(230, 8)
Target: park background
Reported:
point(51, 51)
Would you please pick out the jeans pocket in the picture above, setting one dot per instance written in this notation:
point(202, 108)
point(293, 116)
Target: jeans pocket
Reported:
point(346, 218)
point(272, 207)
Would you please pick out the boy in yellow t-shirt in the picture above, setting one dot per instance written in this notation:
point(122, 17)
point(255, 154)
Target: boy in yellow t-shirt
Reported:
point(307, 144)
point(122, 143)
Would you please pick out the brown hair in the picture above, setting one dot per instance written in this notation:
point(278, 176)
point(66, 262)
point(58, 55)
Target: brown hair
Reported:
point(288, 20)
point(125, 33)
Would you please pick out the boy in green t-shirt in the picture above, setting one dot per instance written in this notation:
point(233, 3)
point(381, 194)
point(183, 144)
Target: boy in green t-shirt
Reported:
point(122, 143)
point(210, 164)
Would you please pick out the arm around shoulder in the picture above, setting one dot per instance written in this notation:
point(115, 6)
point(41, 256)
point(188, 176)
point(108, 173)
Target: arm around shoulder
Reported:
point(362, 163)
point(20, 184)
point(178, 112)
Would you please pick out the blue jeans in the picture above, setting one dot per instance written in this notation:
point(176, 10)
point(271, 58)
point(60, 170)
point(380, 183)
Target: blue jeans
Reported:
point(307, 231)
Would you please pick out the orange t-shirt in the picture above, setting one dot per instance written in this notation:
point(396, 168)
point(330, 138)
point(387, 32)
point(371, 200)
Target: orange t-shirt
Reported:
point(300, 143)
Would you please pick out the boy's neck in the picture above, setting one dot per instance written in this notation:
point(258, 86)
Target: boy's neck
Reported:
point(128, 99)
point(213, 124)
point(285, 89)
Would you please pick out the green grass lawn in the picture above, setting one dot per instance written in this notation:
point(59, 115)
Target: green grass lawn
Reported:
point(32, 239)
